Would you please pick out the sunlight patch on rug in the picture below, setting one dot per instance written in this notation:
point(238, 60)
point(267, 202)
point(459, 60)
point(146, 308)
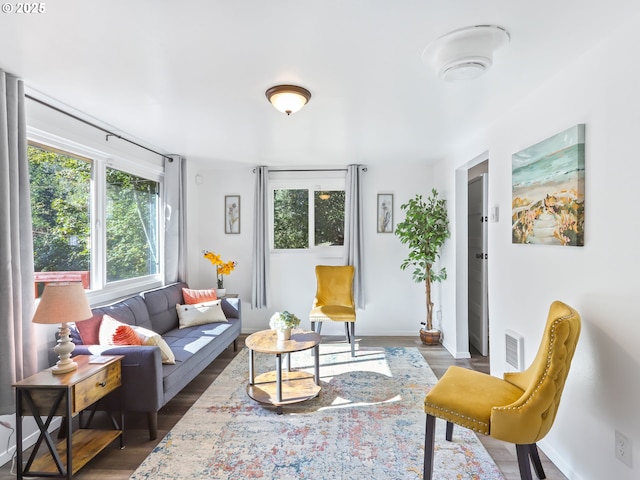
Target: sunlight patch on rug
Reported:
point(367, 423)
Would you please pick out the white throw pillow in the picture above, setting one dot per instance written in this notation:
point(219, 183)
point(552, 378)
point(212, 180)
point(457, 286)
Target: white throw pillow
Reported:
point(200, 313)
point(149, 337)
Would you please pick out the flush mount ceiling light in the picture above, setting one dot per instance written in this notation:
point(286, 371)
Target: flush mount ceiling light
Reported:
point(288, 98)
point(466, 53)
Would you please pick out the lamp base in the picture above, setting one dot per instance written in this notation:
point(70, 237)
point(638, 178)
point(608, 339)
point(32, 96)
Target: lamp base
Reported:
point(64, 348)
point(59, 368)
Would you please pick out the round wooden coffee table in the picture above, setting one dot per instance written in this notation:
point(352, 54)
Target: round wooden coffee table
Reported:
point(277, 387)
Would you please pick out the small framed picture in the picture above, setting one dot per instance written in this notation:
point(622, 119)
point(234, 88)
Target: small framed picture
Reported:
point(232, 214)
point(385, 213)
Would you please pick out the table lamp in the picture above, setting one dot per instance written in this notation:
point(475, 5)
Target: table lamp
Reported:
point(63, 303)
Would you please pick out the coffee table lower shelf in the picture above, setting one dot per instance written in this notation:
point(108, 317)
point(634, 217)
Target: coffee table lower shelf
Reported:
point(297, 387)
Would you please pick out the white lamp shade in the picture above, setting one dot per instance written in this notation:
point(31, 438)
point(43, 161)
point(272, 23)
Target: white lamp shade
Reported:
point(63, 303)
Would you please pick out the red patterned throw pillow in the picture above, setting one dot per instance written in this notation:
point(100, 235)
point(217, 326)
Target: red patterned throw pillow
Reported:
point(114, 332)
point(125, 335)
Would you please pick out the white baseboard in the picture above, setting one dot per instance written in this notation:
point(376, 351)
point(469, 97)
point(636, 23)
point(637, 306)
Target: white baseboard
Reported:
point(558, 461)
point(457, 355)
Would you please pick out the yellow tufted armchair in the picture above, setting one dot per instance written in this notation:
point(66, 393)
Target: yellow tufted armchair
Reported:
point(334, 300)
point(518, 409)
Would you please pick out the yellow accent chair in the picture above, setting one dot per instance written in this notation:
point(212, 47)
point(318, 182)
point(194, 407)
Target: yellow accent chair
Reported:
point(334, 300)
point(518, 409)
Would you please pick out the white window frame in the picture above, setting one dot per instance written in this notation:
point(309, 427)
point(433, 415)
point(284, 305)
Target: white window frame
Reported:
point(101, 290)
point(312, 184)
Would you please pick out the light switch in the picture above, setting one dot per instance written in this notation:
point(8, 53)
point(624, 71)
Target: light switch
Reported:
point(494, 216)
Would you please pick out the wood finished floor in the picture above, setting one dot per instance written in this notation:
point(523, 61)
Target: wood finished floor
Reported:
point(116, 464)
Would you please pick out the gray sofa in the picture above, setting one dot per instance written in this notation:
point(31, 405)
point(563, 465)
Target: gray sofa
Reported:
point(147, 383)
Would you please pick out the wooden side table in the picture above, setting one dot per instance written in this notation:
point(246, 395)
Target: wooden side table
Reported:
point(282, 388)
point(47, 395)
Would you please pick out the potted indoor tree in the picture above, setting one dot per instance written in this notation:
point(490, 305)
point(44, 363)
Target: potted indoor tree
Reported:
point(424, 230)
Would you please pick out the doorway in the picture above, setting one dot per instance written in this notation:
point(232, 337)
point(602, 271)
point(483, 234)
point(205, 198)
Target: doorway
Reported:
point(477, 218)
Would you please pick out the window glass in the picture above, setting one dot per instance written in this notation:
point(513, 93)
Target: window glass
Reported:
point(329, 217)
point(307, 217)
point(60, 207)
point(131, 225)
point(290, 218)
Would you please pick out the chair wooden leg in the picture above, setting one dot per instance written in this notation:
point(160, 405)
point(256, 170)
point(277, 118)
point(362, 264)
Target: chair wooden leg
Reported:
point(523, 461)
point(429, 438)
point(535, 459)
point(449, 433)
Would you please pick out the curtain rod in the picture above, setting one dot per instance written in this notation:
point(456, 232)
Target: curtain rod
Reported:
point(311, 170)
point(98, 127)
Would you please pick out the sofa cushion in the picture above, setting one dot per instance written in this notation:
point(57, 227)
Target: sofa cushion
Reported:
point(161, 304)
point(200, 314)
point(194, 348)
point(192, 297)
point(131, 311)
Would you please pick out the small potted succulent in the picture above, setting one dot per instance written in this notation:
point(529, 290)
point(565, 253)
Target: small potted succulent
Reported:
point(282, 323)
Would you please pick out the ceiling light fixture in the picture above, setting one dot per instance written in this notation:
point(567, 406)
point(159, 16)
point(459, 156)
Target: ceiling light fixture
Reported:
point(288, 98)
point(466, 53)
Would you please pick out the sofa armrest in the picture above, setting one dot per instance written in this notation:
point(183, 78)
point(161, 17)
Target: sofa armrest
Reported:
point(142, 389)
point(231, 307)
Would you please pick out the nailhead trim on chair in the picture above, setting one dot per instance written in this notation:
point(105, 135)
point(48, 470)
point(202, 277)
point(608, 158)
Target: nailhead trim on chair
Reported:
point(462, 420)
point(328, 319)
point(546, 370)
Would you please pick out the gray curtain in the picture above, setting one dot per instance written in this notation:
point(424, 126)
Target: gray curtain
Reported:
point(174, 223)
point(353, 235)
point(18, 354)
point(260, 263)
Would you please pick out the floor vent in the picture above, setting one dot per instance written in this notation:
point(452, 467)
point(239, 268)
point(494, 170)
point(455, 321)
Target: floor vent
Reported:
point(514, 351)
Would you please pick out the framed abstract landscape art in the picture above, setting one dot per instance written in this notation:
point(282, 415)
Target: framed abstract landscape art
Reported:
point(547, 181)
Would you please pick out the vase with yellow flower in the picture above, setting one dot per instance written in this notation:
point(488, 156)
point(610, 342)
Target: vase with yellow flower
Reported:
point(222, 269)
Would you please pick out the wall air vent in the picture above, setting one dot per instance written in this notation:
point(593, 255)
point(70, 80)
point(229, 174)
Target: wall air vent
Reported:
point(514, 351)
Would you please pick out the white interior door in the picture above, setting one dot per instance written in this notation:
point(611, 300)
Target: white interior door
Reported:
point(477, 225)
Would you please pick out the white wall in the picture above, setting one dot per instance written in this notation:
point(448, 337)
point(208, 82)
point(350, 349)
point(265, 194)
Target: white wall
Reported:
point(395, 304)
point(600, 279)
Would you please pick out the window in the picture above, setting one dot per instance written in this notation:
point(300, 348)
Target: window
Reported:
point(328, 208)
point(291, 218)
point(95, 218)
point(132, 226)
point(60, 206)
point(306, 215)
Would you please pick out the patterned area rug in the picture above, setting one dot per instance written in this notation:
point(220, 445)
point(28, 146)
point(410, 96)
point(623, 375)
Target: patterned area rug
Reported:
point(366, 423)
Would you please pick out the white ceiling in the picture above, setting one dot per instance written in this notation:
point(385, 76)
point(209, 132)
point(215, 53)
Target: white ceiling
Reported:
point(189, 77)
